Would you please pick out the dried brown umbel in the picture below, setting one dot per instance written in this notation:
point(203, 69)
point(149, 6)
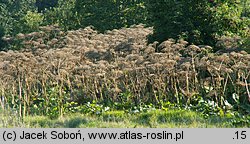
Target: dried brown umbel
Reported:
point(20, 36)
point(165, 45)
point(89, 64)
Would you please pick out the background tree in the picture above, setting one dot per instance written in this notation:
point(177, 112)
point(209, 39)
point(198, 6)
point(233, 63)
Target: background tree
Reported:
point(103, 15)
point(45, 4)
point(11, 14)
point(198, 21)
point(12, 11)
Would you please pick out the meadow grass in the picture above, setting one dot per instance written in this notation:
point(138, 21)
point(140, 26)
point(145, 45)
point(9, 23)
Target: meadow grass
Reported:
point(120, 119)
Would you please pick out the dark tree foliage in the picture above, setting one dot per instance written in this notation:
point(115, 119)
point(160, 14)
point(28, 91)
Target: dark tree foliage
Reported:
point(198, 21)
point(45, 4)
point(2, 43)
point(175, 18)
point(11, 13)
point(102, 14)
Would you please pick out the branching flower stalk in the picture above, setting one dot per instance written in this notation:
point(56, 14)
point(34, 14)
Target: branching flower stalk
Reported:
point(82, 65)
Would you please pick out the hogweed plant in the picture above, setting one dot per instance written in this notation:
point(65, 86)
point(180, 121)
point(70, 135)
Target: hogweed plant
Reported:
point(55, 72)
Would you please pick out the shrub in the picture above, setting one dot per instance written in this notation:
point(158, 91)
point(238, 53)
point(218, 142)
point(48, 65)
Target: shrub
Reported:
point(31, 22)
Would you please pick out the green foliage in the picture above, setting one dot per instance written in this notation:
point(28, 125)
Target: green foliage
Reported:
point(246, 44)
point(228, 21)
point(53, 104)
point(158, 118)
point(18, 17)
point(103, 15)
point(6, 21)
point(173, 19)
point(31, 22)
point(2, 42)
point(94, 108)
point(45, 4)
point(125, 101)
point(142, 108)
point(197, 21)
point(63, 15)
point(246, 8)
point(114, 116)
point(206, 107)
point(12, 11)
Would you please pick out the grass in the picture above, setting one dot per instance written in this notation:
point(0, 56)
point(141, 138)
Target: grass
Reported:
point(120, 119)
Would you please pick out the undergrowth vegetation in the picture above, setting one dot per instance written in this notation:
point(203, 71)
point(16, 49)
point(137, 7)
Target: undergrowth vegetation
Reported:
point(54, 73)
point(120, 119)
